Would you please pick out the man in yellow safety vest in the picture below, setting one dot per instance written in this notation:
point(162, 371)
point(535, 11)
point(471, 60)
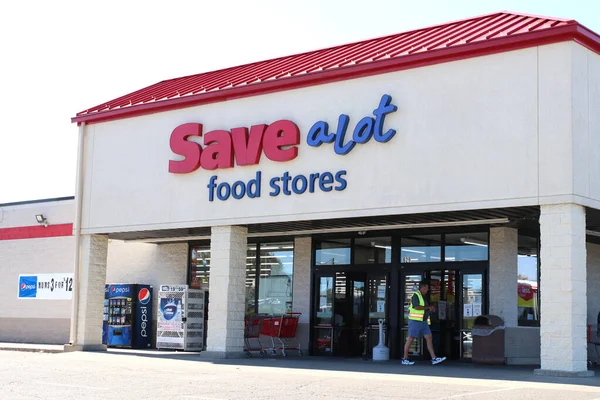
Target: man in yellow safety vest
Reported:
point(418, 323)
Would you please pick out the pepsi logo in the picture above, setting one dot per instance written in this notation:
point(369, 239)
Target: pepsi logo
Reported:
point(120, 290)
point(27, 287)
point(144, 296)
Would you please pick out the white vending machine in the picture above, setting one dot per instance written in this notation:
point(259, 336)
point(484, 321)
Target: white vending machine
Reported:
point(180, 320)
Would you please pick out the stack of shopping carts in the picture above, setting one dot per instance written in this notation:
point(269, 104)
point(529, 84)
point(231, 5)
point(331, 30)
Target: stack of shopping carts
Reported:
point(280, 329)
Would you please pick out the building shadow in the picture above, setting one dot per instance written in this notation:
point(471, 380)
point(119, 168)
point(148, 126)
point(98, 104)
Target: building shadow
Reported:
point(449, 369)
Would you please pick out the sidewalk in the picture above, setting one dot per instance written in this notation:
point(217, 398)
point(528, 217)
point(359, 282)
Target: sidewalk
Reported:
point(449, 369)
point(32, 348)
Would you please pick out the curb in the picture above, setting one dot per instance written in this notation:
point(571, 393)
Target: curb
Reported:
point(31, 350)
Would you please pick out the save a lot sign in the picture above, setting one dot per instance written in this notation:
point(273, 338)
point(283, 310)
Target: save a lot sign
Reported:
point(279, 142)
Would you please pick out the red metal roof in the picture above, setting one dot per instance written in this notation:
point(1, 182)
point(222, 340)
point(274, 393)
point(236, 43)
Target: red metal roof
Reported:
point(471, 37)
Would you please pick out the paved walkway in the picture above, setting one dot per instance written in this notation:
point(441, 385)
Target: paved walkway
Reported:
point(123, 374)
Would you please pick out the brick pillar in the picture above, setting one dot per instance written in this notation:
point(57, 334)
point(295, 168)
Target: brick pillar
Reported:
point(228, 249)
point(301, 288)
point(563, 291)
point(504, 274)
point(92, 278)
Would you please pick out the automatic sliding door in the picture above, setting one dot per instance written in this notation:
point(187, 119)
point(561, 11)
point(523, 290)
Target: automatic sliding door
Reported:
point(444, 324)
point(349, 314)
point(339, 309)
point(410, 285)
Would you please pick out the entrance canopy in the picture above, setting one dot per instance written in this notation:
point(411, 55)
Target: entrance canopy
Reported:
point(517, 216)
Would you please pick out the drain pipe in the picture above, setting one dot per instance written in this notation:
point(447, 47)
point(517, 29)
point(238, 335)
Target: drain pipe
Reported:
point(77, 233)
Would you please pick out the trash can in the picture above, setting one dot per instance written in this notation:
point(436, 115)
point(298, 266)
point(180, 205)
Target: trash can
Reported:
point(488, 340)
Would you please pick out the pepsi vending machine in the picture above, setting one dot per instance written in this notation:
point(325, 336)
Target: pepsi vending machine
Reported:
point(127, 316)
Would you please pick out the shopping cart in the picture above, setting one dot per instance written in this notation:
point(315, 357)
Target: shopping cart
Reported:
point(282, 331)
point(252, 327)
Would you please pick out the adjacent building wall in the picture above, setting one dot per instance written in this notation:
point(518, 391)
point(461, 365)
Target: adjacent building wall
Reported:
point(33, 320)
point(48, 321)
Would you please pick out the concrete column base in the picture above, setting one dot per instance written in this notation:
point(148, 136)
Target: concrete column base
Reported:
point(563, 374)
point(87, 347)
point(220, 355)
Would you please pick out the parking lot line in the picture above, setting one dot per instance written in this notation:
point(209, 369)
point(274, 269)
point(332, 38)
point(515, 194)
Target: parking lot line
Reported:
point(457, 396)
point(72, 386)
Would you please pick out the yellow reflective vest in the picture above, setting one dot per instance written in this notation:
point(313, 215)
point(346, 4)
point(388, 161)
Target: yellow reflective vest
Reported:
point(418, 315)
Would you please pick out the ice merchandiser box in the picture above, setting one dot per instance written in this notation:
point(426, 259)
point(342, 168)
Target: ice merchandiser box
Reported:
point(180, 318)
point(127, 316)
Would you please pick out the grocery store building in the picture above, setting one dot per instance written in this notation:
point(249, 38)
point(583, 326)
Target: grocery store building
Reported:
point(330, 182)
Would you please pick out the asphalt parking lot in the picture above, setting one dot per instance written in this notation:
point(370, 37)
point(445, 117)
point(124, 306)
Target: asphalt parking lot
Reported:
point(158, 375)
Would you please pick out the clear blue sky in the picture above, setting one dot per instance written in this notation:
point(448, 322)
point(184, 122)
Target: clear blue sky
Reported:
point(60, 57)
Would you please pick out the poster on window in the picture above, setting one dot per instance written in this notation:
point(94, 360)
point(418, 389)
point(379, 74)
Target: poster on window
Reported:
point(468, 310)
point(381, 292)
point(476, 309)
point(442, 307)
point(527, 292)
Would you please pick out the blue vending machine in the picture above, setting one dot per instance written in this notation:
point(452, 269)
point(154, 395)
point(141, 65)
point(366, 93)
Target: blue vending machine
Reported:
point(127, 316)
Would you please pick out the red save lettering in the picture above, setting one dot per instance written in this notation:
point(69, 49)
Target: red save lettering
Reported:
point(277, 141)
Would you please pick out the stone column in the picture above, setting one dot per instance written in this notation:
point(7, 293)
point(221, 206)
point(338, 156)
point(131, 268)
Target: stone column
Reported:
point(563, 291)
point(504, 274)
point(301, 288)
point(92, 278)
point(226, 308)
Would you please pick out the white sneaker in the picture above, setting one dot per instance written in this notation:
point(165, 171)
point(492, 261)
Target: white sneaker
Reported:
point(438, 360)
point(406, 361)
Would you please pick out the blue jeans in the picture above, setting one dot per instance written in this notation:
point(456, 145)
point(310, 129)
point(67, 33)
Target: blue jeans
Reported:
point(418, 329)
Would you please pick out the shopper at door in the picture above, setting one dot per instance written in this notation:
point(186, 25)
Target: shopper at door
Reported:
point(418, 323)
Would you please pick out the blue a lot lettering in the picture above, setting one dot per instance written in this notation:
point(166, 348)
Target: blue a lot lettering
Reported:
point(365, 129)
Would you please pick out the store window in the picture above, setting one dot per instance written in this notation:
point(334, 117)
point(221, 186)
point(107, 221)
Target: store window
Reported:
point(269, 275)
point(200, 267)
point(528, 281)
point(466, 247)
point(251, 279)
point(276, 267)
point(376, 250)
point(333, 252)
point(421, 248)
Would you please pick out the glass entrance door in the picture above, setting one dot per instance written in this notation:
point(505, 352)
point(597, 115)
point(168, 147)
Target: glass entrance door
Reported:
point(410, 286)
point(349, 314)
point(444, 322)
point(459, 297)
point(347, 307)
